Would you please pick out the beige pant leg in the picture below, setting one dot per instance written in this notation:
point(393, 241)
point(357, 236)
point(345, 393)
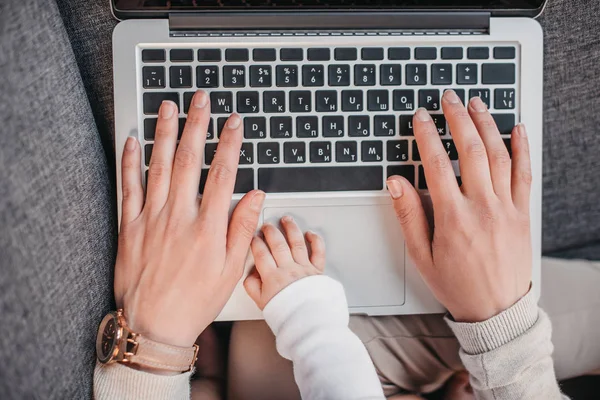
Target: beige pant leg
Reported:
point(418, 353)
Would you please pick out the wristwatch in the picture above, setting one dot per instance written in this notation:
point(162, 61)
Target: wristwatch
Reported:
point(117, 343)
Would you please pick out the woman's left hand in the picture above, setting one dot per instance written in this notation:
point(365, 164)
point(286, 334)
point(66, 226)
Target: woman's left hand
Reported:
point(179, 259)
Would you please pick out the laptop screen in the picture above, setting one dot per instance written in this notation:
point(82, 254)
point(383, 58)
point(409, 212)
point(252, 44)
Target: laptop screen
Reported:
point(264, 5)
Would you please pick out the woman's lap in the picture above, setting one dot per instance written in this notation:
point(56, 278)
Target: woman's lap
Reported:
point(419, 353)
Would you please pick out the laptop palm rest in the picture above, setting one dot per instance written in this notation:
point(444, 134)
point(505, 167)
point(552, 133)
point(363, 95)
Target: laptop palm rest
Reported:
point(365, 249)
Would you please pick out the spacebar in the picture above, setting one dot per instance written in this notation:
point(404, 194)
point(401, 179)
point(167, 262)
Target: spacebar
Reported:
point(320, 179)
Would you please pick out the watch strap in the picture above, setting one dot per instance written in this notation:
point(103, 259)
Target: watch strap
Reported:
point(160, 356)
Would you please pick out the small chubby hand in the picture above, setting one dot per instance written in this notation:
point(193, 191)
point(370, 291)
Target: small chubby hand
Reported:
point(477, 259)
point(283, 258)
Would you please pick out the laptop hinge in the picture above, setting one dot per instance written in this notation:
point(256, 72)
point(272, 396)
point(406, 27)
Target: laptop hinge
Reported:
point(281, 23)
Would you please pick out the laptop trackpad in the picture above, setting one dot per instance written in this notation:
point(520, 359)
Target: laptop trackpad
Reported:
point(365, 249)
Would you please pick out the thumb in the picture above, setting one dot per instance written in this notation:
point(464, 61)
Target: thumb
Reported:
point(411, 215)
point(253, 286)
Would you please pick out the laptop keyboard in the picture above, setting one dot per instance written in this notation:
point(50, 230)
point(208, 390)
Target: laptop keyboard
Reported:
point(327, 119)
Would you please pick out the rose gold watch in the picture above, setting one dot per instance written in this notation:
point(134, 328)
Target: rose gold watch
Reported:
point(117, 343)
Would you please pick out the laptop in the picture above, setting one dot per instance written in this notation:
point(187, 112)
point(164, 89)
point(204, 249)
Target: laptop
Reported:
point(327, 90)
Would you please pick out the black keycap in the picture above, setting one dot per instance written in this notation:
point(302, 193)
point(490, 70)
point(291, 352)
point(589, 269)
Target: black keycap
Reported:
point(247, 102)
point(264, 54)
point(440, 123)
point(505, 53)
point(150, 128)
point(339, 75)
point(152, 101)
point(504, 99)
point(430, 99)
point(371, 53)
point(498, 74)
point(416, 74)
point(319, 54)
point(320, 179)
point(441, 74)
point(291, 54)
point(313, 75)
point(352, 100)
point(236, 55)
point(268, 153)
point(300, 101)
point(450, 149)
point(180, 77)
point(345, 54)
point(346, 152)
point(505, 122)
point(247, 153)
point(399, 53)
point(294, 153)
point(307, 127)
point(404, 100)
point(221, 121)
point(478, 53)
point(244, 180)
point(320, 152)
point(207, 76)
point(390, 74)
point(406, 171)
point(460, 93)
point(333, 126)
point(384, 125)
point(507, 143)
point(153, 55)
point(406, 125)
point(326, 100)
point(148, 153)
point(378, 100)
point(187, 101)
point(255, 127)
point(372, 151)
point(466, 74)
point(181, 55)
point(281, 127)
point(209, 55)
point(425, 53)
point(422, 180)
point(287, 75)
point(364, 75)
point(210, 149)
point(397, 150)
point(261, 76)
point(210, 133)
point(153, 77)
point(415, 152)
point(221, 102)
point(358, 126)
point(452, 53)
point(484, 94)
point(234, 76)
point(180, 127)
point(274, 101)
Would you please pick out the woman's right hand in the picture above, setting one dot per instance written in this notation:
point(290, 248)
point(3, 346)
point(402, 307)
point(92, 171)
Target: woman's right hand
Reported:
point(478, 258)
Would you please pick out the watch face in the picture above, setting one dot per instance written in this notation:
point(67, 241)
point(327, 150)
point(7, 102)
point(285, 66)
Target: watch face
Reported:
point(106, 341)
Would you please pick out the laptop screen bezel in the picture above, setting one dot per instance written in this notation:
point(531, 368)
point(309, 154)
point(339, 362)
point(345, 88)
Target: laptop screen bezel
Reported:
point(162, 13)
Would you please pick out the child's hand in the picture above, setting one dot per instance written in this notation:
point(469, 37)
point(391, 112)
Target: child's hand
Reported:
point(279, 263)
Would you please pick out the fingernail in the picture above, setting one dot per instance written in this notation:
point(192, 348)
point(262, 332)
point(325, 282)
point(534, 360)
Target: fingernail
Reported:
point(422, 115)
point(478, 105)
point(288, 218)
point(395, 189)
point(451, 97)
point(522, 130)
point(257, 201)
point(200, 100)
point(130, 143)
point(167, 109)
point(234, 121)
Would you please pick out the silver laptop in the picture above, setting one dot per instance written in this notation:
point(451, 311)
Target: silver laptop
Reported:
point(327, 89)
